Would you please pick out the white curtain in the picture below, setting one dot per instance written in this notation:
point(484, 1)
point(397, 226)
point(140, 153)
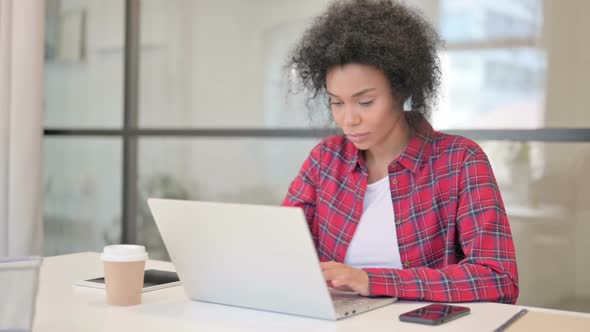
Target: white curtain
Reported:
point(21, 102)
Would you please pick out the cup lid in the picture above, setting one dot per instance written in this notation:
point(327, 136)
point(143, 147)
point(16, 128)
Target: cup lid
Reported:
point(124, 253)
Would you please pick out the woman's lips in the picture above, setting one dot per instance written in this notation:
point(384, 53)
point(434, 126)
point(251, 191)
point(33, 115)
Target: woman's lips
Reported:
point(356, 138)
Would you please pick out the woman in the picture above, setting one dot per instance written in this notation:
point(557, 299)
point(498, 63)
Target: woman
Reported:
point(394, 207)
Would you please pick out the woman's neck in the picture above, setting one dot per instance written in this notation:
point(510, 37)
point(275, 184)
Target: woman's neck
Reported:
point(381, 155)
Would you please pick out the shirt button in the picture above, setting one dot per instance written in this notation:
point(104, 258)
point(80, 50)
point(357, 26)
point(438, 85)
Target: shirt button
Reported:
point(407, 264)
point(398, 222)
point(394, 181)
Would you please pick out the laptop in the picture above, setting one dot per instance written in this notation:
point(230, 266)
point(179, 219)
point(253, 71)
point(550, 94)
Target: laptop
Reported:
point(19, 281)
point(251, 256)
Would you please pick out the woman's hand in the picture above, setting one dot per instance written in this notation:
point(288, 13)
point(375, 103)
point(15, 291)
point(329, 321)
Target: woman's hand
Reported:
point(346, 278)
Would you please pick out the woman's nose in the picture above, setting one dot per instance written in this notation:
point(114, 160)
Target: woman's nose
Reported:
point(351, 117)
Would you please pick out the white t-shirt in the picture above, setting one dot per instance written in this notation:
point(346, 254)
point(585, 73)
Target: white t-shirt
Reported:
point(374, 243)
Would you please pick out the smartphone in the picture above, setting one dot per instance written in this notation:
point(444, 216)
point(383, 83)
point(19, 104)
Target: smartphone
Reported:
point(434, 314)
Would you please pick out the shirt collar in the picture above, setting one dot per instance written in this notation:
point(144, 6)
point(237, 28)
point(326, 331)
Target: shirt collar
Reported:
point(416, 152)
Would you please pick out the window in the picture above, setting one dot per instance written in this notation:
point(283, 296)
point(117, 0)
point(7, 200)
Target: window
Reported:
point(191, 105)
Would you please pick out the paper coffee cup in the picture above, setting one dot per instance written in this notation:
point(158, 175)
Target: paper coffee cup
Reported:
point(124, 267)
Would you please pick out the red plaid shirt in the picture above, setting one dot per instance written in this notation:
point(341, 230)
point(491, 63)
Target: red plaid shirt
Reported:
point(453, 234)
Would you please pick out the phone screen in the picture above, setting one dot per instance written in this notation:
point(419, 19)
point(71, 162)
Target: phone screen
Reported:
point(434, 314)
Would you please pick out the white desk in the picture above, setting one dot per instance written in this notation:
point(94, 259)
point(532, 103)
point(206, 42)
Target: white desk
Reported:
point(64, 307)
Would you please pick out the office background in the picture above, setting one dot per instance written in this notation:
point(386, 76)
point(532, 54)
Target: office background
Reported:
point(187, 99)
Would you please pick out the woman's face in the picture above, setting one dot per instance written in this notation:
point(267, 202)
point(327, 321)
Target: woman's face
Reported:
point(362, 104)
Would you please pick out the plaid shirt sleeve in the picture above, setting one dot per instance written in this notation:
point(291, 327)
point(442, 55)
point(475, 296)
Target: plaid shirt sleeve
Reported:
point(488, 271)
point(302, 191)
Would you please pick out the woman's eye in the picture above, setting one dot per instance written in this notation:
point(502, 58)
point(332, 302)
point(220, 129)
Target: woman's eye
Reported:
point(366, 103)
point(333, 102)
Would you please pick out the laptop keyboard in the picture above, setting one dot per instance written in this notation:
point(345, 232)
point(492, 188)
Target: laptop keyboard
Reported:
point(350, 303)
point(349, 300)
